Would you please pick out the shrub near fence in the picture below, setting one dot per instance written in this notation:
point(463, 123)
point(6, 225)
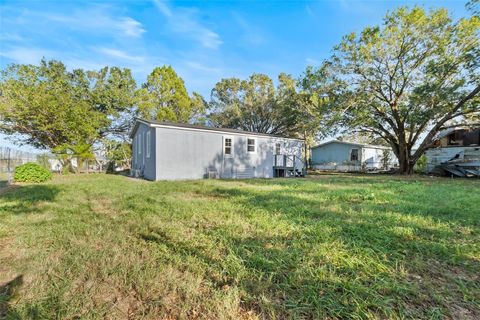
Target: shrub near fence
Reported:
point(31, 172)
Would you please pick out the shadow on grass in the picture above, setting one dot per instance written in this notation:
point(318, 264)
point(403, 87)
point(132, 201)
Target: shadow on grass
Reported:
point(22, 199)
point(3, 184)
point(7, 290)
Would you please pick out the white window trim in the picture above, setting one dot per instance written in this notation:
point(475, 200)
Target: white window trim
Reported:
point(134, 149)
point(232, 147)
point(254, 144)
point(147, 150)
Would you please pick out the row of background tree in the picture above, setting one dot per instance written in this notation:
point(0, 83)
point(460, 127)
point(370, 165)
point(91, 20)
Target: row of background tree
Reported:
point(403, 81)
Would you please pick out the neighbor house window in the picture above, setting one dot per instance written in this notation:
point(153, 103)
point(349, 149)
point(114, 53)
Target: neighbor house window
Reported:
point(139, 143)
point(250, 145)
point(228, 146)
point(354, 155)
point(147, 151)
point(277, 148)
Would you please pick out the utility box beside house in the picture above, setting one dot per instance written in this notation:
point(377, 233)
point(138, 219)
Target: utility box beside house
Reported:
point(168, 151)
point(345, 156)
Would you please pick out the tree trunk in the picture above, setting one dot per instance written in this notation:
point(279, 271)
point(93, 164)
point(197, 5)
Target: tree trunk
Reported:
point(405, 160)
point(406, 166)
point(79, 165)
point(306, 155)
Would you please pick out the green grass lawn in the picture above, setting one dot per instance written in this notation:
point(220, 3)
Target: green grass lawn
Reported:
point(336, 246)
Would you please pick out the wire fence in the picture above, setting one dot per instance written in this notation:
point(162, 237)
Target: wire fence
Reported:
point(11, 158)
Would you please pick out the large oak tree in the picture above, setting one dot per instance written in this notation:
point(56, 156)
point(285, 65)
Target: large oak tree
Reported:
point(409, 78)
point(254, 104)
point(66, 112)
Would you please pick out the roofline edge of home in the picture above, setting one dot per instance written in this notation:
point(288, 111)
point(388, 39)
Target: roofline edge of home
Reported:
point(182, 126)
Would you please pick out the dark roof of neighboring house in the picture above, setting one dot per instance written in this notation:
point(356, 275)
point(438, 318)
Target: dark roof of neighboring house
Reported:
point(198, 127)
point(352, 144)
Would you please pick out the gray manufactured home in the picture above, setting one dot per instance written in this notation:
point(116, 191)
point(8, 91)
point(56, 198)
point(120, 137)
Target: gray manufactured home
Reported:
point(168, 151)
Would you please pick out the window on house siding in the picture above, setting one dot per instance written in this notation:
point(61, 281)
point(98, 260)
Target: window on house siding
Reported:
point(147, 151)
point(354, 155)
point(139, 143)
point(251, 145)
point(228, 146)
point(277, 148)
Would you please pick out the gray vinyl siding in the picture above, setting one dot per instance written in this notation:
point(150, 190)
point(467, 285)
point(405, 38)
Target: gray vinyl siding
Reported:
point(146, 166)
point(184, 153)
point(190, 154)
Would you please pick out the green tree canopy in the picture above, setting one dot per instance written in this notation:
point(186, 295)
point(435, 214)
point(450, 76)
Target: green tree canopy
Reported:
point(407, 79)
point(49, 107)
point(254, 104)
point(113, 93)
point(164, 97)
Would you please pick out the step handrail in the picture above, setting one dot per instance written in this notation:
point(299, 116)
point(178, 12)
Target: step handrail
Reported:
point(285, 157)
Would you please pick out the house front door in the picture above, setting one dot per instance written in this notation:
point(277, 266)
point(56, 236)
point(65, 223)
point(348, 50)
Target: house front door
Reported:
point(228, 157)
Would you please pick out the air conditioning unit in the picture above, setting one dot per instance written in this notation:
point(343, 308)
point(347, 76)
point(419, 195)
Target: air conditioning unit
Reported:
point(212, 174)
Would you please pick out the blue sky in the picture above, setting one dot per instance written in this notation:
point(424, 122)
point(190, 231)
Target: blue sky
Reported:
point(203, 40)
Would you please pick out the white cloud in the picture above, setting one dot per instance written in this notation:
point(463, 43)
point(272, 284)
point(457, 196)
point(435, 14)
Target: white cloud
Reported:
point(185, 21)
point(94, 36)
point(97, 19)
point(100, 58)
point(48, 34)
point(202, 67)
point(131, 27)
point(9, 36)
point(163, 8)
point(26, 55)
point(33, 55)
point(120, 54)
